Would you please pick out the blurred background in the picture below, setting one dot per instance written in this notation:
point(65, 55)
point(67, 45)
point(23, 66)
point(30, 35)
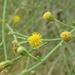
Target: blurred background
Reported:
point(62, 62)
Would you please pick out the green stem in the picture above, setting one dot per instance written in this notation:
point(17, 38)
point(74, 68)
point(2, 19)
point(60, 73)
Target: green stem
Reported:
point(23, 42)
point(33, 17)
point(51, 40)
point(39, 47)
point(28, 54)
point(72, 30)
point(65, 61)
point(27, 63)
point(1, 43)
point(43, 60)
point(18, 34)
point(15, 59)
point(21, 37)
point(35, 58)
point(14, 34)
point(63, 24)
point(3, 30)
point(11, 31)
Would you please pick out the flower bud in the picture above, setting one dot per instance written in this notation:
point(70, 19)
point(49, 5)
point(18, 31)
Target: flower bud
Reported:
point(73, 23)
point(15, 46)
point(21, 50)
point(48, 16)
point(65, 36)
point(5, 64)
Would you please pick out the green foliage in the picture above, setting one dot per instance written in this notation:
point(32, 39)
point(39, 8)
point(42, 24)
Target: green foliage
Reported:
point(54, 56)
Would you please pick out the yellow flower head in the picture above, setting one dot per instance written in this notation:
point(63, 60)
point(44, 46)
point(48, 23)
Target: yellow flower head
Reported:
point(0, 20)
point(16, 19)
point(35, 40)
point(24, 71)
point(48, 16)
point(66, 36)
point(35, 4)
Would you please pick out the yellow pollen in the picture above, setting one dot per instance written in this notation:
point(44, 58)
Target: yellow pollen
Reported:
point(35, 40)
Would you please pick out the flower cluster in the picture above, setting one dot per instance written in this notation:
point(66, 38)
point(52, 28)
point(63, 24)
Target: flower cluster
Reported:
point(35, 41)
point(66, 36)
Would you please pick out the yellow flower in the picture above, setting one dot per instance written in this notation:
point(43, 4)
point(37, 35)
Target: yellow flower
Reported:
point(35, 4)
point(16, 19)
point(24, 71)
point(35, 40)
point(66, 36)
point(48, 16)
point(0, 20)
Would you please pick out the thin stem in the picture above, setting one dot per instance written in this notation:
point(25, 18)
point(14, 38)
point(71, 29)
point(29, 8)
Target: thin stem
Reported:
point(23, 42)
point(18, 34)
point(28, 59)
point(28, 54)
point(3, 30)
point(11, 31)
point(35, 58)
point(65, 61)
point(21, 37)
point(72, 30)
point(1, 43)
point(52, 40)
point(16, 58)
point(63, 24)
point(34, 16)
point(14, 34)
point(39, 47)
